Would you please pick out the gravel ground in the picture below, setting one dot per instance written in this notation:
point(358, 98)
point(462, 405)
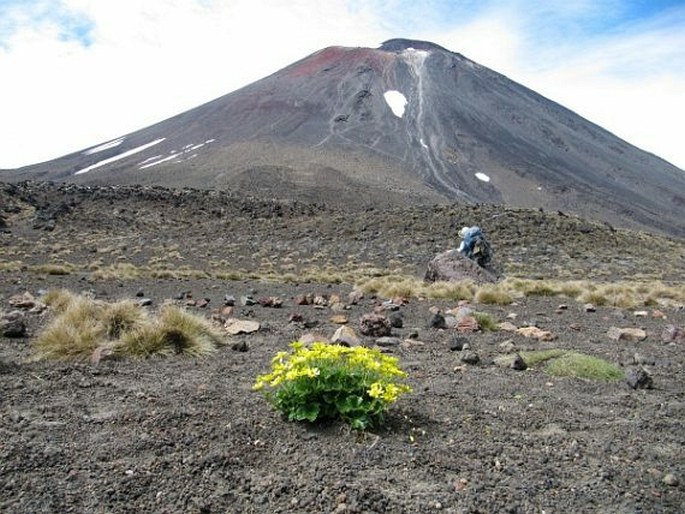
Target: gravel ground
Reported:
point(189, 435)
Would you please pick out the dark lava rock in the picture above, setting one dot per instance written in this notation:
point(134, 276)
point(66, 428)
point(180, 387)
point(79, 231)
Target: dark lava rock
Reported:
point(374, 325)
point(396, 320)
point(240, 346)
point(457, 343)
point(469, 357)
point(639, 378)
point(518, 363)
point(13, 327)
point(437, 321)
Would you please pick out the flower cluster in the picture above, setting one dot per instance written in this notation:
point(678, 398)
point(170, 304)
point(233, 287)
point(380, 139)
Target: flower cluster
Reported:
point(328, 381)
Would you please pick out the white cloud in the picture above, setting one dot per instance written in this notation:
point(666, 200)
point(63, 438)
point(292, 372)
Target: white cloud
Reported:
point(142, 62)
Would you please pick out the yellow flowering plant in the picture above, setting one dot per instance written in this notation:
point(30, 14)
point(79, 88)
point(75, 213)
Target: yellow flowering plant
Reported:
point(328, 381)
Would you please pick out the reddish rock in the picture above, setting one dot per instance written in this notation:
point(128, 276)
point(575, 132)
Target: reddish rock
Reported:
point(632, 335)
point(374, 325)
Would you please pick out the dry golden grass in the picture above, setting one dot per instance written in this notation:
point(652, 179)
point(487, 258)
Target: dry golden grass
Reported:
point(52, 269)
point(493, 295)
point(82, 325)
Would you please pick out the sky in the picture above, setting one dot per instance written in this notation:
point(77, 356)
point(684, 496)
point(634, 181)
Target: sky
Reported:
point(76, 73)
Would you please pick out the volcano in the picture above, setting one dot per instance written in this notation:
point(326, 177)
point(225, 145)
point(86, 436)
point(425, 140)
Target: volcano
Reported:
point(408, 122)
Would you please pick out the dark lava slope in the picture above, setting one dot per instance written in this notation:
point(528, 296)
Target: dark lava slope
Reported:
point(408, 122)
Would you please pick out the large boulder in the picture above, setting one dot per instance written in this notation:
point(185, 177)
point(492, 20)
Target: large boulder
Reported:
point(453, 266)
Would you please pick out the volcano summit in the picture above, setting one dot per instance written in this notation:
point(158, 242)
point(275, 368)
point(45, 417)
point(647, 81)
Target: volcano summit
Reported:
point(408, 122)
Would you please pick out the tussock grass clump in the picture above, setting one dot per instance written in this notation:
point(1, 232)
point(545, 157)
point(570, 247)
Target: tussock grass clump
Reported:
point(537, 357)
point(493, 295)
point(52, 269)
point(119, 271)
point(564, 363)
point(486, 321)
point(580, 365)
point(83, 324)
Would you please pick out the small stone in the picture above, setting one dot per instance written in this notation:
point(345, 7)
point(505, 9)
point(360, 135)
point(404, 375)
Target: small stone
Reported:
point(313, 337)
point(345, 336)
point(672, 334)
point(640, 314)
point(145, 302)
point(237, 326)
point(589, 307)
point(12, 325)
point(203, 303)
point(507, 326)
point(270, 301)
point(519, 364)
point(22, 301)
point(671, 480)
point(468, 324)
point(240, 346)
point(638, 358)
point(388, 342)
point(437, 321)
point(247, 301)
point(339, 319)
point(396, 320)
point(632, 335)
point(374, 325)
point(639, 378)
point(507, 346)
point(469, 357)
point(229, 300)
point(457, 343)
point(536, 333)
point(140, 293)
point(562, 307)
point(355, 297)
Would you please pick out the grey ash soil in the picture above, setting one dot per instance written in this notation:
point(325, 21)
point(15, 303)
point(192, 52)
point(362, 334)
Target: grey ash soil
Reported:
point(189, 435)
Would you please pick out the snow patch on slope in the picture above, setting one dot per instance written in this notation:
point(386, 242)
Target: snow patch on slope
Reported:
point(482, 176)
point(186, 153)
point(120, 156)
point(397, 102)
point(104, 146)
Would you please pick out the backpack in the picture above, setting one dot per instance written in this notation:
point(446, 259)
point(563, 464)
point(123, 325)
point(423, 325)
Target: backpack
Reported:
point(481, 251)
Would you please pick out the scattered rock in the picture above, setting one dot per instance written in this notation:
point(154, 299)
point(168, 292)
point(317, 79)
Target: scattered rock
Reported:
point(229, 300)
point(140, 293)
point(320, 300)
point(519, 364)
point(339, 319)
point(589, 307)
point(670, 480)
point(458, 343)
point(388, 342)
point(437, 321)
point(270, 301)
point(639, 378)
point(102, 353)
point(470, 357)
point(507, 346)
point(23, 301)
point(536, 333)
point(507, 326)
point(145, 302)
point(239, 326)
point(396, 320)
point(453, 266)
point(468, 324)
point(312, 337)
point(247, 301)
point(631, 335)
point(642, 360)
point(355, 297)
point(12, 325)
point(203, 303)
point(640, 314)
point(673, 334)
point(374, 325)
point(345, 336)
point(303, 299)
point(240, 346)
